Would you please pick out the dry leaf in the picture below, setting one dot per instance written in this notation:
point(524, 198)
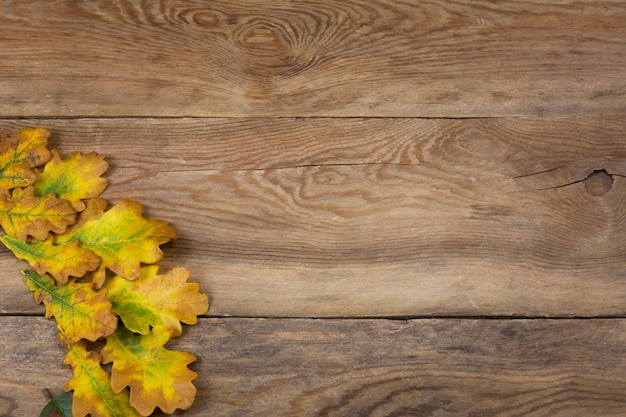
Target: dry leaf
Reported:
point(120, 236)
point(157, 300)
point(92, 390)
point(157, 377)
point(24, 214)
point(19, 155)
point(80, 312)
point(74, 179)
point(60, 261)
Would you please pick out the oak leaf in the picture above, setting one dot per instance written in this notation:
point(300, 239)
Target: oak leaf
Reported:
point(76, 178)
point(60, 261)
point(80, 312)
point(157, 300)
point(120, 236)
point(157, 377)
point(19, 155)
point(23, 214)
point(73, 257)
point(92, 389)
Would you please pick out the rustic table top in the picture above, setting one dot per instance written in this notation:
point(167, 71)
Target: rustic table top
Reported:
point(397, 208)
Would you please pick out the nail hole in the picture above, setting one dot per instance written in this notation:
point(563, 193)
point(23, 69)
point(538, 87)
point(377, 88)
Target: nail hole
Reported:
point(598, 182)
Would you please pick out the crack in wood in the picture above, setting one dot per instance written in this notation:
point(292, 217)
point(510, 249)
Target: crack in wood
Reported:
point(598, 182)
point(286, 167)
point(538, 172)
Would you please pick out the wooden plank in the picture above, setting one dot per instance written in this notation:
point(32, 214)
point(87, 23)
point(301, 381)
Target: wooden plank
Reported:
point(373, 217)
point(258, 367)
point(314, 58)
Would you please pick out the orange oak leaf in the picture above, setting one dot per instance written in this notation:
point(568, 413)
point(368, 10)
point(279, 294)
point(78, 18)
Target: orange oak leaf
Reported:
point(21, 153)
point(74, 179)
point(24, 214)
point(157, 377)
point(92, 387)
point(120, 236)
point(157, 300)
point(80, 312)
point(60, 261)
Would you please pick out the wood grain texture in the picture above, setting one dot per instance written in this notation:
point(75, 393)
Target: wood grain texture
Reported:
point(306, 368)
point(316, 58)
point(373, 217)
point(352, 160)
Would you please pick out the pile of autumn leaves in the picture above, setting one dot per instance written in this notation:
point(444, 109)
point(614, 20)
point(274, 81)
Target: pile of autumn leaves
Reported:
point(94, 268)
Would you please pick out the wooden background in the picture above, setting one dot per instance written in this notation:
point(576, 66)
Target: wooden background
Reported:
point(398, 208)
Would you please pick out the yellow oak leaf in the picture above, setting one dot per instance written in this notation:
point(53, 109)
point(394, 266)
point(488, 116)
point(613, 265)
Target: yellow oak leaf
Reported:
point(80, 312)
point(120, 236)
point(19, 155)
point(92, 387)
point(60, 261)
point(74, 179)
point(24, 214)
point(94, 210)
point(157, 377)
point(157, 300)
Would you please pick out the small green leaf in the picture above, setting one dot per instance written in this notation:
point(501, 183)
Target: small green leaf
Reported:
point(59, 406)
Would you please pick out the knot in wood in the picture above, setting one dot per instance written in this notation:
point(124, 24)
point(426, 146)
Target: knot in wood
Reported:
point(598, 182)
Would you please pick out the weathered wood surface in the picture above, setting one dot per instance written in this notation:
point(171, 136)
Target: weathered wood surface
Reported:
point(302, 368)
point(418, 182)
point(324, 58)
point(374, 217)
